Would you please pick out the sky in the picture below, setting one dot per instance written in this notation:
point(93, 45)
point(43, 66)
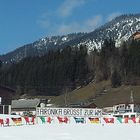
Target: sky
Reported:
point(25, 21)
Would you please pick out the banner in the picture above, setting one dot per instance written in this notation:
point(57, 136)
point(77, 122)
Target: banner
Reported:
point(69, 112)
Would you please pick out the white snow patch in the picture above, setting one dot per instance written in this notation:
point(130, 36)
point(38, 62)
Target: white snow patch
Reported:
point(64, 38)
point(70, 132)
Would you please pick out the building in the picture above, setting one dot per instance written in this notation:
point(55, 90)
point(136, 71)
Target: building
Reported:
point(136, 35)
point(6, 95)
point(128, 110)
point(90, 105)
point(108, 109)
point(82, 104)
point(27, 106)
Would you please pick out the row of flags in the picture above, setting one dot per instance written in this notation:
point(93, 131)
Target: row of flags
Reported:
point(67, 120)
point(35, 120)
point(17, 121)
point(92, 120)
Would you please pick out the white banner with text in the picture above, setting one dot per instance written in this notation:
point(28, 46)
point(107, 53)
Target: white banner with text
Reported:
point(70, 112)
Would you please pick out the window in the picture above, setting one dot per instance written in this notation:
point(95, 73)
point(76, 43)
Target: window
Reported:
point(119, 116)
point(128, 106)
point(126, 116)
point(132, 116)
point(0, 100)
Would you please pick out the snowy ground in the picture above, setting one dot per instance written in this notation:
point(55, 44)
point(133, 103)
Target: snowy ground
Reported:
point(71, 132)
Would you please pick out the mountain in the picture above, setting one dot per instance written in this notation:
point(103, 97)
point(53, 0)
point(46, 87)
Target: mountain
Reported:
point(39, 47)
point(119, 29)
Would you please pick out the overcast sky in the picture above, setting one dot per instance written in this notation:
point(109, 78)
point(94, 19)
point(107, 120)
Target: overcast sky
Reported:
point(25, 21)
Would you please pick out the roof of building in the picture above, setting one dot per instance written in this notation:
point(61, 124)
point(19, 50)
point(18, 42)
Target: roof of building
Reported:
point(25, 103)
point(136, 33)
point(7, 88)
point(83, 104)
point(127, 103)
point(90, 105)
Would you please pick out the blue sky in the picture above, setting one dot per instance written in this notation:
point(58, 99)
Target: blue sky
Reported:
point(25, 21)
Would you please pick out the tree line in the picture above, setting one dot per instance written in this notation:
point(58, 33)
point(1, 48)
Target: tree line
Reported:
point(49, 74)
point(71, 67)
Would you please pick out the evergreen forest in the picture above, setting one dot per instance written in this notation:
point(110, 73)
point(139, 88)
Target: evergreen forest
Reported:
point(73, 67)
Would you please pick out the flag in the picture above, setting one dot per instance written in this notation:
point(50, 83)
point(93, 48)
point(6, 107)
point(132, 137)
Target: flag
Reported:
point(133, 119)
point(1, 122)
point(7, 121)
point(17, 121)
point(123, 120)
point(49, 119)
point(63, 119)
point(33, 120)
point(120, 120)
point(27, 120)
point(137, 120)
point(94, 120)
point(42, 119)
point(109, 120)
point(79, 120)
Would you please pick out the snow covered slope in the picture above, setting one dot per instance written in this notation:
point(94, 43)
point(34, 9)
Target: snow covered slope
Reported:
point(70, 132)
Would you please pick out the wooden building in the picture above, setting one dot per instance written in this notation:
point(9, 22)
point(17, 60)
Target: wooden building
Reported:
point(90, 105)
point(82, 104)
point(27, 107)
point(6, 95)
point(136, 35)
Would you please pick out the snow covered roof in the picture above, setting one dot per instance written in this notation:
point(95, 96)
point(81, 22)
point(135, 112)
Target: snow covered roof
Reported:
point(25, 103)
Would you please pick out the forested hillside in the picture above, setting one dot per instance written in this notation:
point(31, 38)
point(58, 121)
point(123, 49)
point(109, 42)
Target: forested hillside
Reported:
point(48, 74)
point(73, 67)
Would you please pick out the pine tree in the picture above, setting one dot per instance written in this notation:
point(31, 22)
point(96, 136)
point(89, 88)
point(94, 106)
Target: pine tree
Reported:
point(115, 79)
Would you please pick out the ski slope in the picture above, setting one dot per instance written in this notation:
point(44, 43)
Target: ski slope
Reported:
point(71, 132)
